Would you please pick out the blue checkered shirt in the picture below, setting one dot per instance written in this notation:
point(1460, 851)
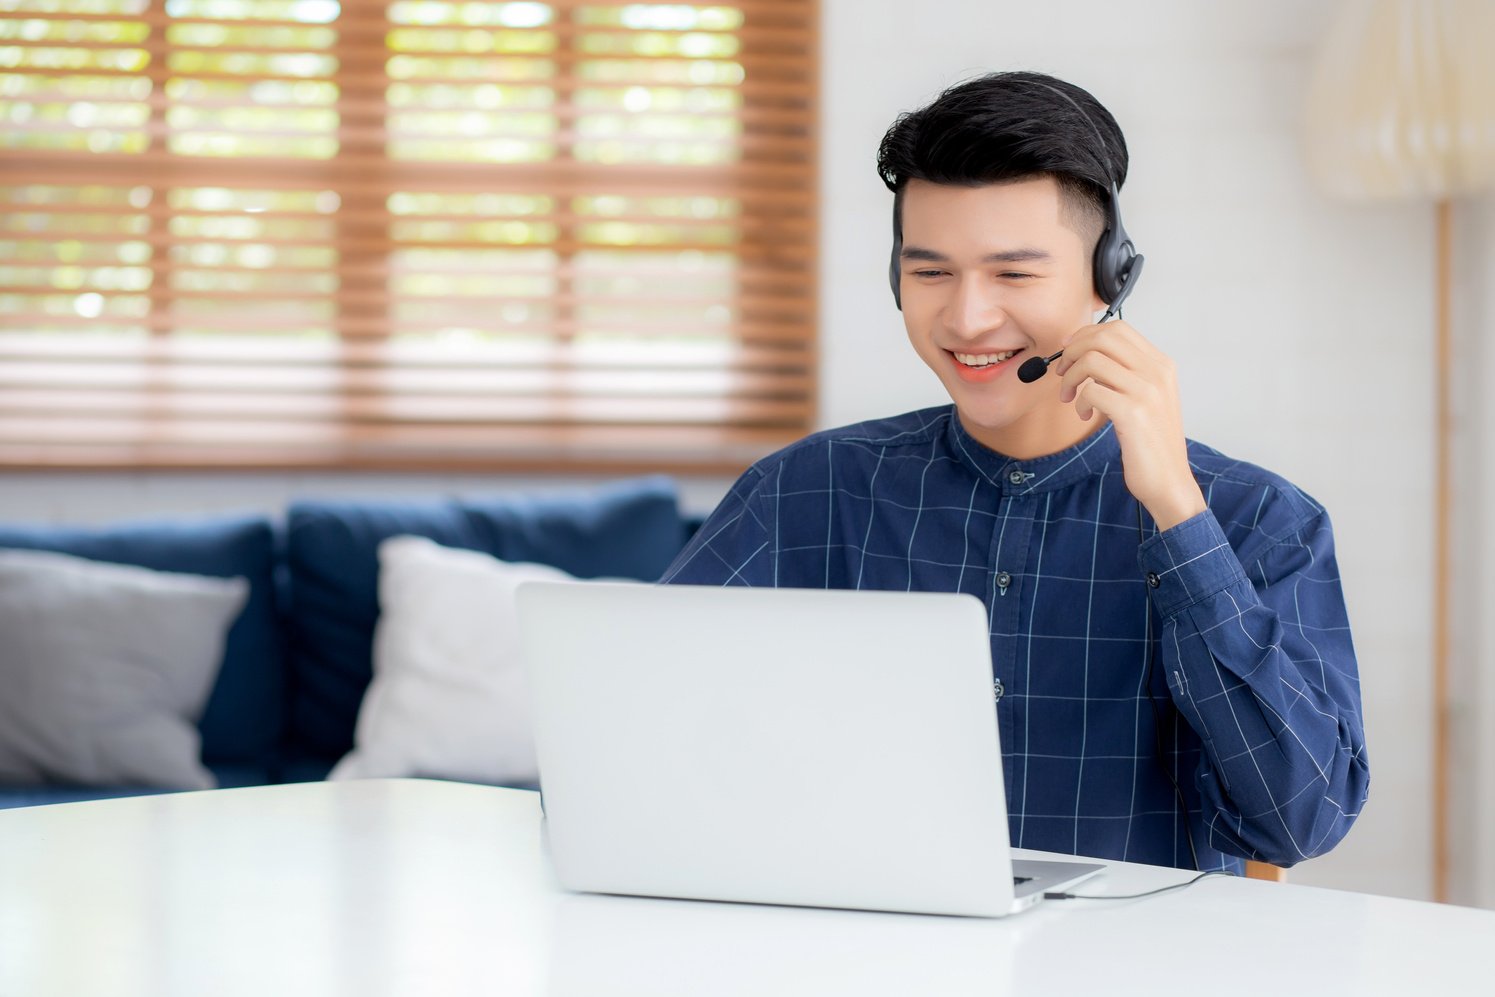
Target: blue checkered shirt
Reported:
point(1254, 694)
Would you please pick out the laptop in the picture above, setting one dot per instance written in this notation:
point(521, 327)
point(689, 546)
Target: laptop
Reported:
point(774, 746)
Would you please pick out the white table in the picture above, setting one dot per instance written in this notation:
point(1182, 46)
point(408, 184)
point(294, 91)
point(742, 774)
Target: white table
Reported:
point(417, 887)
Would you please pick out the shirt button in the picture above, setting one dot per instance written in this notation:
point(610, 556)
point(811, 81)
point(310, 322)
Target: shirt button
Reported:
point(1003, 580)
point(1016, 477)
point(997, 690)
point(1153, 579)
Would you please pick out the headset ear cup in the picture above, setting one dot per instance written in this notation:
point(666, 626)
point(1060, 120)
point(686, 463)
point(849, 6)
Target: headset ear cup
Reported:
point(1100, 267)
point(1113, 252)
point(1112, 261)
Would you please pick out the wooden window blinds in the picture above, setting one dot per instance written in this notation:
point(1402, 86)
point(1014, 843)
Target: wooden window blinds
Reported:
point(577, 234)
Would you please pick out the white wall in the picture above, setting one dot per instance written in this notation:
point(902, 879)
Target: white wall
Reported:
point(1301, 328)
point(1472, 717)
point(1479, 783)
point(110, 496)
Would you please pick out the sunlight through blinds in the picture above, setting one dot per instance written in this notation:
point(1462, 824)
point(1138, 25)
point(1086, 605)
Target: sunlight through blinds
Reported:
point(269, 233)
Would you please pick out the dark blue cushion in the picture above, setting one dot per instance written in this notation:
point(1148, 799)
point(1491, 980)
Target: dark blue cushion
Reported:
point(305, 769)
point(243, 720)
point(239, 776)
point(630, 529)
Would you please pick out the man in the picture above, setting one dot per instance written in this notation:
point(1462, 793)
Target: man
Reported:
point(1173, 669)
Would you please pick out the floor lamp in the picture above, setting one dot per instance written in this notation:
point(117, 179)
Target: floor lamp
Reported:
point(1401, 106)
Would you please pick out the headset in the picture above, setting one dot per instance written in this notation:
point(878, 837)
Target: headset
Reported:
point(1116, 264)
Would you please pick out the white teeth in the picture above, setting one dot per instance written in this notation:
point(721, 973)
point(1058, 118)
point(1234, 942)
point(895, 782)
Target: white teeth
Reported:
point(984, 359)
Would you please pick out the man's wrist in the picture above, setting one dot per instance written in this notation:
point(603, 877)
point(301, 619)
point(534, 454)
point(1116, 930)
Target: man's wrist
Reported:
point(1178, 506)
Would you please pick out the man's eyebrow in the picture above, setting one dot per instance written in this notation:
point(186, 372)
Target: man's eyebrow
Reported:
point(1007, 256)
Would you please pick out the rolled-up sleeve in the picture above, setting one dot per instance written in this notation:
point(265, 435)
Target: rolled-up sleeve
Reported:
point(1258, 660)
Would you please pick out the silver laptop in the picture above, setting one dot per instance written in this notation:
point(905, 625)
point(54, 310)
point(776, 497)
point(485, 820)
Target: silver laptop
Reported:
point(779, 746)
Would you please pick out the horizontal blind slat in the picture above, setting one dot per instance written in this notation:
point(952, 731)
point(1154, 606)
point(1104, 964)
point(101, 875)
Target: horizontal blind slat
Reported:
point(61, 351)
point(563, 177)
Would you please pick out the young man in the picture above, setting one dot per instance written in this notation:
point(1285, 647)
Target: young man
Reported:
point(1173, 670)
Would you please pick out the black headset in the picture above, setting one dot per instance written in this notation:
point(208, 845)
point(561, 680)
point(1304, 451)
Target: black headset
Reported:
point(1116, 263)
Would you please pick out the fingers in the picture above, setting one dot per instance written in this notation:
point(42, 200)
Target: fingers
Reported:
point(1117, 340)
point(1092, 397)
point(1097, 367)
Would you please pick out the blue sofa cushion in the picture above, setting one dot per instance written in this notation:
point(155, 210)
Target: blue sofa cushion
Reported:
point(243, 720)
point(629, 529)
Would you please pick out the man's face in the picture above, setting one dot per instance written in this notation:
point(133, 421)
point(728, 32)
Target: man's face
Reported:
point(986, 271)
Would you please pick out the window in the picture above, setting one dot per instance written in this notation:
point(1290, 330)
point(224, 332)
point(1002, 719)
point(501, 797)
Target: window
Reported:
point(425, 233)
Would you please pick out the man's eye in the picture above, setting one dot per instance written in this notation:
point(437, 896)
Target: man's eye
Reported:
point(929, 273)
point(1017, 276)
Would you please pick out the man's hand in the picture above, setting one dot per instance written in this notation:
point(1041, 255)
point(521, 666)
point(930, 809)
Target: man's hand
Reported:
point(1112, 370)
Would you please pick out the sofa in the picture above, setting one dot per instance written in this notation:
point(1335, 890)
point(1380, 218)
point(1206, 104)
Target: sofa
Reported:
point(298, 658)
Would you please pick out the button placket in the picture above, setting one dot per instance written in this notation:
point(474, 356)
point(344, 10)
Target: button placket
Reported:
point(1011, 536)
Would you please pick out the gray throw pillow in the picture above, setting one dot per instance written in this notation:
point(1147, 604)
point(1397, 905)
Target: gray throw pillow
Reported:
point(105, 670)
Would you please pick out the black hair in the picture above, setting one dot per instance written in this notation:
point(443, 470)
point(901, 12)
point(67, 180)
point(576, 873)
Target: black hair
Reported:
point(1005, 127)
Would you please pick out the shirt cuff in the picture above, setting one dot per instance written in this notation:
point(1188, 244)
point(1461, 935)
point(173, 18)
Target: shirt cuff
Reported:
point(1189, 563)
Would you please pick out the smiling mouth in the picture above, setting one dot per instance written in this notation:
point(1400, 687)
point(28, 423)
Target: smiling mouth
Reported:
point(976, 361)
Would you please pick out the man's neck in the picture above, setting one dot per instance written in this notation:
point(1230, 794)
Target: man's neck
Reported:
point(1031, 438)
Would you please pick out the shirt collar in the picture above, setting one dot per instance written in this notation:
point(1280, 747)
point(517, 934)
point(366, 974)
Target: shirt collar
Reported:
point(1039, 474)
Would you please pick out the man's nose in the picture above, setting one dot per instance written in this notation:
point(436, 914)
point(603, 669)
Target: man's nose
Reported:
point(976, 309)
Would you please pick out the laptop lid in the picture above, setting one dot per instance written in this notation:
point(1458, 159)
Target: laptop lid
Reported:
point(786, 746)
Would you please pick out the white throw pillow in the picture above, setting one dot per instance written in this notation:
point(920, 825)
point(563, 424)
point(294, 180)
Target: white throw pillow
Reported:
point(448, 699)
point(105, 670)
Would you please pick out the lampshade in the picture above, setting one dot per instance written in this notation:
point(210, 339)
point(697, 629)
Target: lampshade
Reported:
point(1401, 103)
